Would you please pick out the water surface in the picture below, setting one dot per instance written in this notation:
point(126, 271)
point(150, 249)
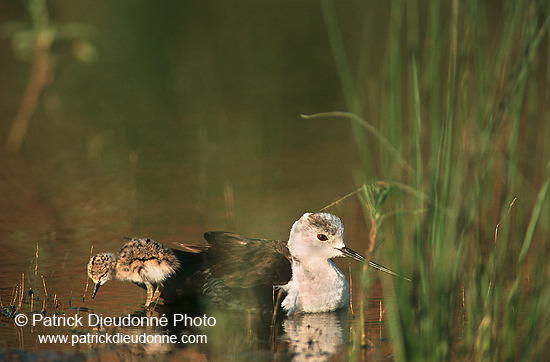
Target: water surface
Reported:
point(187, 121)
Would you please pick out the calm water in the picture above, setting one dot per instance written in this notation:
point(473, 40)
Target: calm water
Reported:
point(187, 121)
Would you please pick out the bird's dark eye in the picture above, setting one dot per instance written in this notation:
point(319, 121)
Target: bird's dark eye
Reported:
point(322, 237)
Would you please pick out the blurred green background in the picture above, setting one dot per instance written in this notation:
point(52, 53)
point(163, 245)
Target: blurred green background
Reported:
point(186, 116)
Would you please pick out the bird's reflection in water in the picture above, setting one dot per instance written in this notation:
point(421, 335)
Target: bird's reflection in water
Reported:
point(308, 336)
point(149, 346)
point(315, 336)
point(143, 340)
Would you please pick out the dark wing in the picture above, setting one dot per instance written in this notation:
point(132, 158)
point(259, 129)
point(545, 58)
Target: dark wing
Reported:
point(188, 281)
point(244, 263)
point(194, 248)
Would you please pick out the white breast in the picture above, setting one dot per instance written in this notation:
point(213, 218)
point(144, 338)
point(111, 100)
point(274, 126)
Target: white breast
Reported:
point(315, 288)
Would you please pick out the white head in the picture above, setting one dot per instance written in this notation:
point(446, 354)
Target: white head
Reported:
point(319, 236)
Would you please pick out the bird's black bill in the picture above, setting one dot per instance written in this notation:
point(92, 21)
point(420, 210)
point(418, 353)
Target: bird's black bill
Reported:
point(355, 255)
point(386, 270)
point(352, 254)
point(96, 288)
